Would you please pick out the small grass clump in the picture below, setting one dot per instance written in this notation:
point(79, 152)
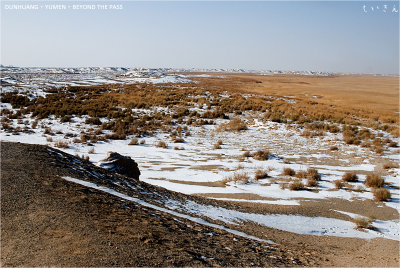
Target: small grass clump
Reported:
point(363, 223)
point(301, 174)
point(162, 144)
point(239, 177)
point(382, 194)
point(350, 177)
point(48, 131)
point(374, 181)
point(260, 174)
point(313, 173)
point(179, 140)
point(288, 172)
point(393, 144)
point(261, 155)
point(334, 148)
point(246, 154)
point(134, 141)
point(217, 146)
point(296, 186)
point(233, 125)
point(312, 182)
point(339, 184)
point(61, 144)
point(91, 151)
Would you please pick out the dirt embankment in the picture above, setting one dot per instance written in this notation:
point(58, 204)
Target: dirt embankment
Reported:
point(48, 221)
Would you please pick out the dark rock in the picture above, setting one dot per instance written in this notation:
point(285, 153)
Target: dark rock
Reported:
point(123, 165)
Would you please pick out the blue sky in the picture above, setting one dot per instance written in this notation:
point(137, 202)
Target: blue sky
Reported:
point(318, 35)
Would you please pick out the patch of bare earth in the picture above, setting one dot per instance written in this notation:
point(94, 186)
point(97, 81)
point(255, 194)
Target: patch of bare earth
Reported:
point(48, 221)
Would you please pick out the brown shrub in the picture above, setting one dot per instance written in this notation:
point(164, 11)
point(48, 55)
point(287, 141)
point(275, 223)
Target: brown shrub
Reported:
point(162, 144)
point(48, 131)
point(352, 140)
point(261, 155)
point(301, 174)
point(35, 123)
point(350, 177)
point(334, 148)
point(217, 146)
point(374, 181)
point(246, 154)
point(379, 150)
point(260, 174)
point(312, 134)
point(179, 140)
point(296, 186)
point(312, 182)
point(382, 194)
point(61, 144)
point(339, 184)
point(392, 144)
point(313, 173)
point(363, 223)
point(238, 177)
point(288, 172)
point(233, 125)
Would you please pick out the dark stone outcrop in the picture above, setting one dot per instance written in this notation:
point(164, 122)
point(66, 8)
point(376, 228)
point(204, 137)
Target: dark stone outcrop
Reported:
point(123, 165)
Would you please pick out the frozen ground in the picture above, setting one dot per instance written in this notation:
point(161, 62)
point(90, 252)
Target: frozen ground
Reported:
point(196, 167)
point(291, 223)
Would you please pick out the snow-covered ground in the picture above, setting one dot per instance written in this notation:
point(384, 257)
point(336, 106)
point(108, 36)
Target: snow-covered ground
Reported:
point(291, 223)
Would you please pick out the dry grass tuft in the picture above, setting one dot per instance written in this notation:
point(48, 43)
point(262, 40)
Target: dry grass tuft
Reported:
point(162, 144)
point(61, 144)
point(288, 172)
point(301, 174)
point(312, 182)
point(363, 223)
point(217, 146)
point(374, 181)
point(134, 141)
point(262, 155)
point(296, 186)
point(246, 154)
point(238, 177)
point(339, 184)
point(179, 140)
point(350, 177)
point(313, 173)
point(382, 194)
point(260, 174)
point(233, 125)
